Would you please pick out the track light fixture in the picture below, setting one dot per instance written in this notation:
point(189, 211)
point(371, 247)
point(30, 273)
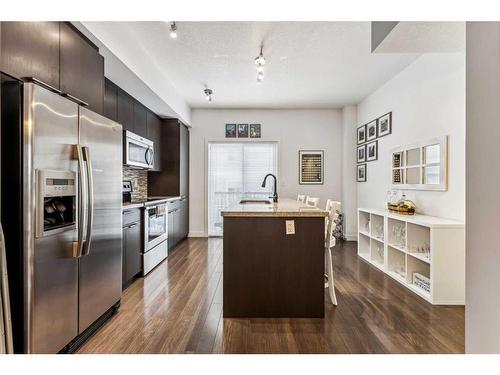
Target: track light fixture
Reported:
point(260, 61)
point(209, 94)
point(173, 30)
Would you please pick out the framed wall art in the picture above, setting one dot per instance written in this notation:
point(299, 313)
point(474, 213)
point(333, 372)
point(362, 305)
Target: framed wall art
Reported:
point(242, 130)
point(371, 130)
point(311, 167)
point(361, 134)
point(372, 151)
point(361, 173)
point(385, 125)
point(361, 154)
point(255, 131)
point(230, 130)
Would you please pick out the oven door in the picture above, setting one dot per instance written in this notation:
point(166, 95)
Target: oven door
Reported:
point(138, 151)
point(156, 229)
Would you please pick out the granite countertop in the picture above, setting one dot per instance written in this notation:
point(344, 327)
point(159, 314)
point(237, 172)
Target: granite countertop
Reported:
point(150, 201)
point(284, 208)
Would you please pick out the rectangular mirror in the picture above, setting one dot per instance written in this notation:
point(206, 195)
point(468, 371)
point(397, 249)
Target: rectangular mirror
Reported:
point(432, 174)
point(413, 175)
point(432, 154)
point(413, 157)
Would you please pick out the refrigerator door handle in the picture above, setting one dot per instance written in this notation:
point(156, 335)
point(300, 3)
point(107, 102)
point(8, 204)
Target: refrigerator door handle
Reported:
point(78, 246)
point(90, 200)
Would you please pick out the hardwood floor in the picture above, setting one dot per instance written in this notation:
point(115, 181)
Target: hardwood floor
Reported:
point(178, 309)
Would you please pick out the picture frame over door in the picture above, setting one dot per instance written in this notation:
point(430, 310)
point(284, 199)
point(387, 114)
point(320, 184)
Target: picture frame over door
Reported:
point(311, 168)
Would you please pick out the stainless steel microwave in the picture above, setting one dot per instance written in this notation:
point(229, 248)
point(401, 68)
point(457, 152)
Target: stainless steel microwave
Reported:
point(138, 152)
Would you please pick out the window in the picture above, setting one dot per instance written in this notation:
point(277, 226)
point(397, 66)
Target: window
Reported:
point(235, 172)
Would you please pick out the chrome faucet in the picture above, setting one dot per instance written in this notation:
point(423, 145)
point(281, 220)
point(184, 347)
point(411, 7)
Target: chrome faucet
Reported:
point(275, 194)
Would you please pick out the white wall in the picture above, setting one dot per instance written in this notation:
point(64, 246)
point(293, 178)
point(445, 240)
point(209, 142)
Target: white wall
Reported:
point(482, 297)
point(427, 99)
point(293, 129)
point(349, 197)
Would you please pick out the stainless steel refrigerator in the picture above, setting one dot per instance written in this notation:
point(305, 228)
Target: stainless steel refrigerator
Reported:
point(70, 176)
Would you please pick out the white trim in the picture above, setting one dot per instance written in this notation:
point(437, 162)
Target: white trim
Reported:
point(351, 237)
point(196, 234)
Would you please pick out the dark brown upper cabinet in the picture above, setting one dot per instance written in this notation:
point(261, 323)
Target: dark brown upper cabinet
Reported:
point(110, 100)
point(125, 110)
point(140, 119)
point(81, 68)
point(173, 180)
point(31, 49)
point(153, 134)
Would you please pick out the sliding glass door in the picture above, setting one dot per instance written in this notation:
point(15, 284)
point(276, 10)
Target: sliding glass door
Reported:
point(235, 172)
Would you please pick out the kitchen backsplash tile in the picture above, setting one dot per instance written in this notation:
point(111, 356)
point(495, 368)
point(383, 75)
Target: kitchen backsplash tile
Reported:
point(139, 180)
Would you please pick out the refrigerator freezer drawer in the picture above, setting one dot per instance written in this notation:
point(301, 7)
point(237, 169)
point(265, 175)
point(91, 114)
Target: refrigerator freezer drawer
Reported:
point(154, 257)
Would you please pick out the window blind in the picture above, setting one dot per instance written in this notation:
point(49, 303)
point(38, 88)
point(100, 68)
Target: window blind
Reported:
point(235, 172)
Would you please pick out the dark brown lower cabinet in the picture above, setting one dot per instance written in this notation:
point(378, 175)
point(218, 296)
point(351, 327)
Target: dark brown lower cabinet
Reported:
point(178, 222)
point(132, 249)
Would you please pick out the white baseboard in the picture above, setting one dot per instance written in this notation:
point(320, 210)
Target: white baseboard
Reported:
point(197, 234)
point(351, 237)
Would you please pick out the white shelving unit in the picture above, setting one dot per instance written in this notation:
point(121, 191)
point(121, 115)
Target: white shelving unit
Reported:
point(401, 245)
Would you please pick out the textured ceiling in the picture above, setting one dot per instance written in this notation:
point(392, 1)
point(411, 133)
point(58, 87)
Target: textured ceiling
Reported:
point(309, 64)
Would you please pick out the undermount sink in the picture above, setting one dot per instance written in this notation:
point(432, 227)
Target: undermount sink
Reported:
point(255, 201)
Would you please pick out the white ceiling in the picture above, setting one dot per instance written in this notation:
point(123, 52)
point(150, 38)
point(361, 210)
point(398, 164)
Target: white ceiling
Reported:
point(309, 64)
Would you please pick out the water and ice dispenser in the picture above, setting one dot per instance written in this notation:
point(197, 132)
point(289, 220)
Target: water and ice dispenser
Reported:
point(56, 201)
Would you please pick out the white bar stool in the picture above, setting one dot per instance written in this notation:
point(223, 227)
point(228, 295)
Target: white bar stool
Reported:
point(333, 208)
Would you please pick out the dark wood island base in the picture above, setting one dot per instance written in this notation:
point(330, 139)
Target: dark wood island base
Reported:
point(269, 273)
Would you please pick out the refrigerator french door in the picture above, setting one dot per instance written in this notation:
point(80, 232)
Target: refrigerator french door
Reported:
point(71, 162)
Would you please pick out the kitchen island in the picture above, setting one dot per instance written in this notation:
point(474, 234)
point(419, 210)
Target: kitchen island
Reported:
point(273, 260)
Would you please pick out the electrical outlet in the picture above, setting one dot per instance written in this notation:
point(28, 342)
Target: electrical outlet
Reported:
point(290, 226)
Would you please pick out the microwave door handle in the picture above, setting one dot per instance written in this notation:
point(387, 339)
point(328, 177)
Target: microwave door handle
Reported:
point(152, 156)
point(78, 246)
point(90, 200)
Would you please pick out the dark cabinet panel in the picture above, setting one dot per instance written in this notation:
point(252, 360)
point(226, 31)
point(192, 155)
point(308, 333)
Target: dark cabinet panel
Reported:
point(31, 49)
point(81, 68)
point(110, 100)
point(125, 110)
point(132, 249)
point(183, 218)
point(140, 119)
point(174, 159)
point(153, 134)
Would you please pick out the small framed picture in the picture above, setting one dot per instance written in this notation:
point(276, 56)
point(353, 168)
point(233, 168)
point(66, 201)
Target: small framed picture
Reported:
point(242, 130)
point(255, 131)
point(385, 125)
point(230, 130)
point(361, 173)
point(361, 134)
point(372, 151)
point(311, 167)
point(361, 154)
point(371, 130)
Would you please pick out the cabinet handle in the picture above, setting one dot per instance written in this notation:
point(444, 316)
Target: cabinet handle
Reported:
point(130, 226)
point(75, 99)
point(126, 211)
point(41, 83)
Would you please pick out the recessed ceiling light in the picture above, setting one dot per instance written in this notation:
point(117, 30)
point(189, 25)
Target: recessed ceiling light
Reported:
point(173, 30)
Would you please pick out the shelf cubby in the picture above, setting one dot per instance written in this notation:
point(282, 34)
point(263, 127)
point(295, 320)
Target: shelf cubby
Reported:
point(393, 225)
point(377, 227)
point(396, 262)
point(377, 252)
point(364, 244)
point(364, 222)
